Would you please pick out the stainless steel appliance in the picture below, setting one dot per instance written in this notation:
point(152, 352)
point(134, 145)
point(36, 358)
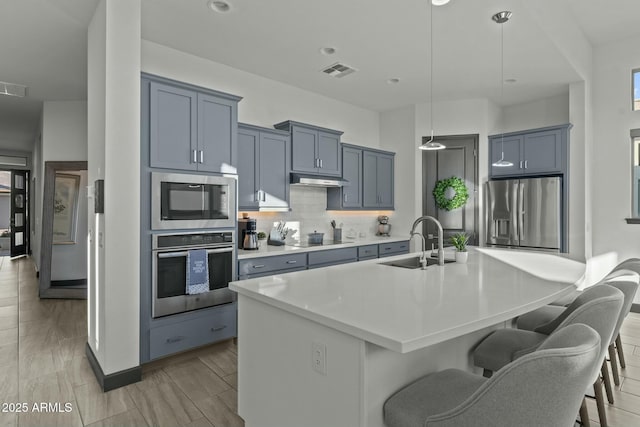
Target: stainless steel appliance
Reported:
point(248, 236)
point(169, 271)
point(524, 213)
point(182, 201)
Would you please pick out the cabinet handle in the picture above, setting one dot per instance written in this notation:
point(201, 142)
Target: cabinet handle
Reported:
point(345, 197)
point(195, 156)
point(174, 339)
point(320, 163)
point(292, 262)
point(218, 328)
point(259, 266)
point(264, 196)
point(525, 164)
point(201, 156)
point(256, 197)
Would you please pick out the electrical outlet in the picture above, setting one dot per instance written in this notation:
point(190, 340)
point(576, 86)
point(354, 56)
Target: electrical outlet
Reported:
point(319, 357)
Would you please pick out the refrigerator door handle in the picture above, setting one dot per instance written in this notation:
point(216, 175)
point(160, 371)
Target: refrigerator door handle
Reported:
point(521, 212)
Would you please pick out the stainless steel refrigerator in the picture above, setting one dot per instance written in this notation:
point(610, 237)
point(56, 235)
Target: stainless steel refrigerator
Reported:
point(524, 213)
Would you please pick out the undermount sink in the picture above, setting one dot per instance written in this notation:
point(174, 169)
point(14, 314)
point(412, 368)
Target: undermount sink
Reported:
point(413, 262)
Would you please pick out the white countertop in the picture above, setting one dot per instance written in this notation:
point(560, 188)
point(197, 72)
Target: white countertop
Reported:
point(268, 250)
point(404, 310)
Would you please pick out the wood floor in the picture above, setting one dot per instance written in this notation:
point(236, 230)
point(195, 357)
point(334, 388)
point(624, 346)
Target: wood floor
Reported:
point(42, 360)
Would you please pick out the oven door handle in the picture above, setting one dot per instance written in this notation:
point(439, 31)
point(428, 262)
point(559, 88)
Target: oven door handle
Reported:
point(163, 255)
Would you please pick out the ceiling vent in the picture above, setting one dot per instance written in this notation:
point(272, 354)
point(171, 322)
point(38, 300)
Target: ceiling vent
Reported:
point(12, 89)
point(339, 70)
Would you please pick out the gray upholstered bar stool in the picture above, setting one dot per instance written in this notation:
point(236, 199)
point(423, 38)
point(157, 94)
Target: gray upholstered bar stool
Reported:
point(530, 321)
point(631, 265)
point(598, 307)
point(543, 388)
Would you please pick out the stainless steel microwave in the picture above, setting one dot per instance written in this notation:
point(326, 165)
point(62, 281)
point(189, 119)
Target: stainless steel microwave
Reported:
point(184, 201)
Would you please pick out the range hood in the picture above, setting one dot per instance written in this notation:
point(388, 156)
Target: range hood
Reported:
point(317, 180)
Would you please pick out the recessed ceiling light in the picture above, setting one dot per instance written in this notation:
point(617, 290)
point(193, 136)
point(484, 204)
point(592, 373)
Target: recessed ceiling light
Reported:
point(219, 6)
point(393, 81)
point(510, 81)
point(327, 50)
point(439, 2)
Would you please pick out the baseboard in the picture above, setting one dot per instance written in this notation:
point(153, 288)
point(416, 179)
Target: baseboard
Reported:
point(635, 308)
point(115, 380)
point(76, 283)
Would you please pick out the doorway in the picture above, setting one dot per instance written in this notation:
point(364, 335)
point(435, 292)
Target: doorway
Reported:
point(14, 213)
point(459, 159)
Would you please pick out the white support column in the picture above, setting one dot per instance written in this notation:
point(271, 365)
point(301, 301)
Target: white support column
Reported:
point(114, 155)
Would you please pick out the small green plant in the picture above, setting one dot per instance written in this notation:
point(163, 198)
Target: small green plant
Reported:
point(262, 235)
point(459, 240)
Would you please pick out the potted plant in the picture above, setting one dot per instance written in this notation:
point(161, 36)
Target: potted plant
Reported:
point(459, 240)
point(262, 235)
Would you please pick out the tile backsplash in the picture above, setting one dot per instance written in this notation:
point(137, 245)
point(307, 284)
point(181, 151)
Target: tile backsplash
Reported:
point(309, 213)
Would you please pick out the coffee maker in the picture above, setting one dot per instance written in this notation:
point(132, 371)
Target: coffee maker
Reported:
point(247, 235)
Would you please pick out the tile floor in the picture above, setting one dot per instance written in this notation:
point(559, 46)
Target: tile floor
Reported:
point(42, 360)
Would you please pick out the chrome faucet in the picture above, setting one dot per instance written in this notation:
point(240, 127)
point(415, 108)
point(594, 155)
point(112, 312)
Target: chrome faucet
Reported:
point(423, 257)
point(440, 242)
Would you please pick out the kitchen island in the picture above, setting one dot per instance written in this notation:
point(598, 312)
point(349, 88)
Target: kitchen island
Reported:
point(327, 347)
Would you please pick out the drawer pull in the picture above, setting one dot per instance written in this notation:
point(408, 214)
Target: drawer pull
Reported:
point(173, 340)
point(387, 249)
point(259, 266)
point(292, 262)
point(218, 328)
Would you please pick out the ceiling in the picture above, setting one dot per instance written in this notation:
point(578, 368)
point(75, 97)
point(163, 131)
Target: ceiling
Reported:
point(280, 39)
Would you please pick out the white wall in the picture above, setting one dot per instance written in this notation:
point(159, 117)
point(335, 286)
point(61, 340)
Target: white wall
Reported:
point(265, 102)
point(536, 114)
point(611, 168)
point(68, 261)
point(114, 155)
point(63, 137)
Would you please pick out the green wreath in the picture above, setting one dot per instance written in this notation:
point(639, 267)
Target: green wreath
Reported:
point(459, 198)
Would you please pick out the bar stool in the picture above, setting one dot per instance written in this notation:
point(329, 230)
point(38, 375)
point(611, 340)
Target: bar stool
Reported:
point(598, 307)
point(543, 388)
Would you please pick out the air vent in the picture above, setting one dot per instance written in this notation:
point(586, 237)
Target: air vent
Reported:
point(12, 89)
point(339, 70)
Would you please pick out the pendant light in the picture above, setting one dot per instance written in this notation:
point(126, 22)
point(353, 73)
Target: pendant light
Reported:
point(430, 144)
point(501, 18)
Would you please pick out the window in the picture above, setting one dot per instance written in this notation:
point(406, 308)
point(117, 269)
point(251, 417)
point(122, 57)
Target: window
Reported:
point(635, 176)
point(636, 89)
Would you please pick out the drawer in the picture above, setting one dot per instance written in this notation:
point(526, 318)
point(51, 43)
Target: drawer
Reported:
point(271, 273)
point(333, 256)
point(262, 265)
point(368, 252)
point(217, 325)
point(393, 248)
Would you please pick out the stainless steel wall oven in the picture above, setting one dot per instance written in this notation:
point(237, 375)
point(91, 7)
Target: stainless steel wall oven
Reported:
point(169, 271)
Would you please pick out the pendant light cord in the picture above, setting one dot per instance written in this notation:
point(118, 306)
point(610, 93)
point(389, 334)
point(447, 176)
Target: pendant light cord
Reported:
point(502, 83)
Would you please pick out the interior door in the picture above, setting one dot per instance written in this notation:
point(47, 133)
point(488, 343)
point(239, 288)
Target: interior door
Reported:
point(458, 159)
point(19, 213)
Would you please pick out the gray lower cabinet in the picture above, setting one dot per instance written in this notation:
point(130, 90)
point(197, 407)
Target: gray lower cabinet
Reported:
point(190, 128)
point(532, 152)
point(393, 248)
point(314, 150)
point(332, 257)
point(367, 252)
point(377, 180)
point(215, 324)
point(263, 168)
point(264, 266)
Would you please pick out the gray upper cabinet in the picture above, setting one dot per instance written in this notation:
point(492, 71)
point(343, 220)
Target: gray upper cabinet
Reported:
point(349, 196)
point(191, 128)
point(263, 168)
point(173, 122)
point(533, 152)
point(314, 150)
point(377, 180)
point(370, 180)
